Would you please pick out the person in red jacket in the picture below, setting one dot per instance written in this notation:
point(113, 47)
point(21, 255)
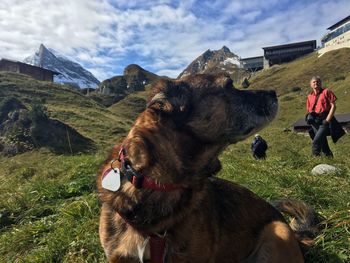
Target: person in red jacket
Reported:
point(321, 104)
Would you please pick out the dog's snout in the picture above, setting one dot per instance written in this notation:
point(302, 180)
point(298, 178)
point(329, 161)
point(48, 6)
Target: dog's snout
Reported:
point(272, 94)
point(268, 95)
point(259, 95)
point(262, 101)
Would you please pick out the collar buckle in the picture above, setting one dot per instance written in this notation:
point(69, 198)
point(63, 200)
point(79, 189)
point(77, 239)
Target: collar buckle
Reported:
point(135, 178)
point(138, 179)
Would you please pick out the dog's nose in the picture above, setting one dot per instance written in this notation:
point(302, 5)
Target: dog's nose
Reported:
point(260, 96)
point(271, 93)
point(261, 102)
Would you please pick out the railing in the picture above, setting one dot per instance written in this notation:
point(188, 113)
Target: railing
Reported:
point(339, 31)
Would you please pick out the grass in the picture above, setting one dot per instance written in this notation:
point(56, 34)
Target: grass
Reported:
point(286, 173)
point(68, 105)
point(48, 207)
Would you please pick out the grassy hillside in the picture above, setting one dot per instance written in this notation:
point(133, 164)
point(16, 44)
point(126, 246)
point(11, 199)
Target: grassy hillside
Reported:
point(66, 104)
point(291, 81)
point(48, 206)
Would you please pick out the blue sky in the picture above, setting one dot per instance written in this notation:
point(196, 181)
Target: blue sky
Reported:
point(162, 36)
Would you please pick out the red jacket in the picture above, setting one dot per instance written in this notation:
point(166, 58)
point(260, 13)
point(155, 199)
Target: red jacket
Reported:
point(324, 101)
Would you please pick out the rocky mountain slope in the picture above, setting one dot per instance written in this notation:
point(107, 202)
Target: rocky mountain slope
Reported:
point(213, 62)
point(134, 79)
point(71, 72)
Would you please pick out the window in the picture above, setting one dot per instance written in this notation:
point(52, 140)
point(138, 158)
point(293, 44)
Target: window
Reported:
point(339, 31)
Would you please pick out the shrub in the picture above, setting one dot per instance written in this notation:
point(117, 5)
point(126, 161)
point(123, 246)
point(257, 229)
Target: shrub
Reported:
point(38, 114)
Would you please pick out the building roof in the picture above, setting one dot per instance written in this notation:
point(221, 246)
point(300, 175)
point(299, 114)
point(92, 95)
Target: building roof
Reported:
point(260, 57)
point(313, 42)
point(28, 65)
point(341, 118)
point(343, 21)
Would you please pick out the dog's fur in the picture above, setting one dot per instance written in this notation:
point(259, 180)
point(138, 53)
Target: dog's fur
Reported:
point(177, 140)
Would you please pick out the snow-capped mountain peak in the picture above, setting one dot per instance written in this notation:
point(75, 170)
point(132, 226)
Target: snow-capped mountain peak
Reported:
point(71, 72)
point(212, 62)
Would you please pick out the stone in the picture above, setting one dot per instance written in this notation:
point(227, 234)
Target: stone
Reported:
point(323, 169)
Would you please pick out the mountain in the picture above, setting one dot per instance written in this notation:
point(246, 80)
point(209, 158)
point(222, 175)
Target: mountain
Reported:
point(71, 72)
point(212, 62)
point(134, 79)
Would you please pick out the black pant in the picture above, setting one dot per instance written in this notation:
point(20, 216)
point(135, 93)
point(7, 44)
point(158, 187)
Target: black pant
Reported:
point(320, 143)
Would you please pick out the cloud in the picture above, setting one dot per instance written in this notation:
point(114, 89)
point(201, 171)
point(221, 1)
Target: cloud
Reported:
point(305, 21)
point(169, 72)
point(163, 36)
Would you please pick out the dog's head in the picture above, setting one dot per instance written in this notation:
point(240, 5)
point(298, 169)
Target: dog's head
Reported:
point(211, 109)
point(188, 123)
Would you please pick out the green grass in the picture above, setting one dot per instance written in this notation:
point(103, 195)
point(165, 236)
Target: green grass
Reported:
point(48, 207)
point(68, 105)
point(287, 174)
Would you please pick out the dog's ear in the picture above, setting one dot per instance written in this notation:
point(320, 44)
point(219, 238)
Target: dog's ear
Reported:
point(174, 98)
point(160, 102)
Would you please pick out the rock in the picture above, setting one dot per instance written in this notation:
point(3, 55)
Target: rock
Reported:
point(323, 169)
point(22, 130)
point(216, 62)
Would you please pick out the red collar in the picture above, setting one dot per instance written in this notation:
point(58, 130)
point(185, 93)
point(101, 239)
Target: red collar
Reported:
point(158, 249)
point(142, 181)
point(157, 242)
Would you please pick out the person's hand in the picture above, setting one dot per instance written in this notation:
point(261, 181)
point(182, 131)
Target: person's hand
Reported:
point(325, 122)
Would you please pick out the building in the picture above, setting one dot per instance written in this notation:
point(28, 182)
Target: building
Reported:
point(253, 64)
point(286, 53)
point(23, 68)
point(337, 37)
point(344, 119)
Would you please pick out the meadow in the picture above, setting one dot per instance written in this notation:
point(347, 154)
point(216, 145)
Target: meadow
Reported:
point(49, 208)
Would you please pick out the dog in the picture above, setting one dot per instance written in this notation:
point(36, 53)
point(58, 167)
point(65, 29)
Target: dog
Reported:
point(160, 199)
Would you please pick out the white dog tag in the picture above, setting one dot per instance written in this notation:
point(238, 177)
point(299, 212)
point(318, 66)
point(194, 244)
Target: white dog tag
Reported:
point(111, 179)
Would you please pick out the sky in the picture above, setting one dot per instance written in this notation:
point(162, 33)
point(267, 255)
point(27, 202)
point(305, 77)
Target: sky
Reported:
point(161, 36)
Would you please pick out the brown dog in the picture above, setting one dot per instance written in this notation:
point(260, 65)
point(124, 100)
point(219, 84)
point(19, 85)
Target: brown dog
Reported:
point(169, 207)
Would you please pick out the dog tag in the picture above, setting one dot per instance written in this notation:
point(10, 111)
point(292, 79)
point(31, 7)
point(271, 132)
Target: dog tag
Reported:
point(111, 179)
